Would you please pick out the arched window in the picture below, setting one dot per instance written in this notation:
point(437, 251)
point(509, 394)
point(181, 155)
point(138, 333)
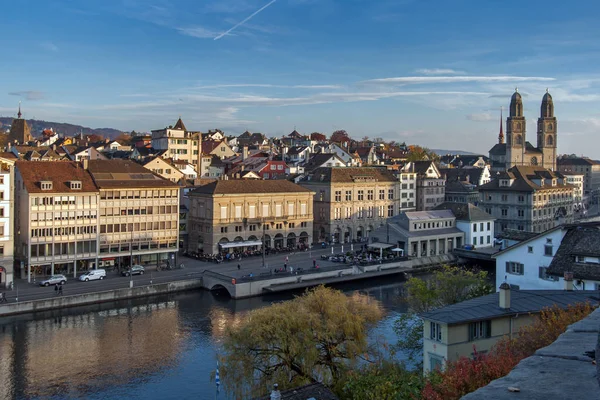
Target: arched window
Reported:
point(518, 126)
point(549, 127)
point(549, 141)
point(518, 139)
point(534, 161)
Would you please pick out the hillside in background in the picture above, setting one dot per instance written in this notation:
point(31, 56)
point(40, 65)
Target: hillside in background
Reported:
point(441, 152)
point(37, 126)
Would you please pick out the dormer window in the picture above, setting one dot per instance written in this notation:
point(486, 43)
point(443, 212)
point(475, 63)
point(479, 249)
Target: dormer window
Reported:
point(46, 185)
point(75, 185)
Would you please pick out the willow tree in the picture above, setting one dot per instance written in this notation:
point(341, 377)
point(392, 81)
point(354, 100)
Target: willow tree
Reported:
point(317, 337)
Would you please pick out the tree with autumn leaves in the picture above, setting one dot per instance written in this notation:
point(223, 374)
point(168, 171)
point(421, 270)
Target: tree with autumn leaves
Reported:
point(317, 337)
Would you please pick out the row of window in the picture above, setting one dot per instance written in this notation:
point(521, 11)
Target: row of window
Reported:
point(481, 225)
point(149, 210)
point(138, 194)
point(46, 249)
point(361, 195)
point(477, 330)
point(64, 231)
point(63, 215)
point(488, 240)
point(238, 211)
point(138, 227)
point(364, 212)
point(253, 227)
point(63, 200)
point(125, 247)
point(183, 141)
point(432, 225)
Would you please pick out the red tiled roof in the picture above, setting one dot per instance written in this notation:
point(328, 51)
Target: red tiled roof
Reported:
point(60, 173)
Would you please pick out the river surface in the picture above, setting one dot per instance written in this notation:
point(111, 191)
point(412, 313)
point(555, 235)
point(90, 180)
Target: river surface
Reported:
point(160, 347)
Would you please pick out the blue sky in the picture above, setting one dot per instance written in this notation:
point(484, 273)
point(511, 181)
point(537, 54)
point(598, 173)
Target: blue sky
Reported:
point(433, 73)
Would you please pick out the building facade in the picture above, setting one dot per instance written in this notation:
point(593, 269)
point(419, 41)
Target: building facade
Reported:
point(589, 168)
point(7, 226)
point(229, 215)
point(422, 233)
point(431, 185)
point(575, 180)
point(178, 142)
point(56, 219)
point(477, 225)
point(408, 190)
point(138, 213)
point(531, 199)
point(351, 202)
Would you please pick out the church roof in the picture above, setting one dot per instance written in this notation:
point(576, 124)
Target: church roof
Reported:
point(499, 149)
point(530, 149)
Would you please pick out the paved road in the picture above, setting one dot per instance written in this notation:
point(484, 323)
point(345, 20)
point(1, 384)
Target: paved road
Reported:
point(193, 268)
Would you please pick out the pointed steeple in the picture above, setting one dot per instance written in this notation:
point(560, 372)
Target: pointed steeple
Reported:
point(180, 125)
point(19, 113)
point(501, 135)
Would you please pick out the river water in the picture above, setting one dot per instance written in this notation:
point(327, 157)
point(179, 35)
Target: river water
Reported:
point(161, 347)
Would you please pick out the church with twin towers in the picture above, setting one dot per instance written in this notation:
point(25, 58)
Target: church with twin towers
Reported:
point(517, 151)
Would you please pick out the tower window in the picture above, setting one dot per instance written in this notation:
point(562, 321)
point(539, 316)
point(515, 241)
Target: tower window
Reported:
point(549, 141)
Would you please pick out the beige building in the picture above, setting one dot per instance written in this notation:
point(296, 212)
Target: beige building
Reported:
point(431, 185)
point(422, 233)
point(179, 143)
point(589, 168)
point(139, 213)
point(56, 218)
point(461, 329)
point(575, 180)
point(532, 199)
point(164, 168)
point(230, 215)
point(351, 202)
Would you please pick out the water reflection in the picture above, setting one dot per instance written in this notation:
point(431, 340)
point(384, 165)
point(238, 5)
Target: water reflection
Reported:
point(162, 347)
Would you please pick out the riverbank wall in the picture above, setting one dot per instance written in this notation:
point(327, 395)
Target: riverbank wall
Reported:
point(99, 297)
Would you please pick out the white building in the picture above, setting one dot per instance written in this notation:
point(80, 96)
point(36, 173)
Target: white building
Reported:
point(577, 181)
point(408, 191)
point(541, 261)
point(477, 225)
point(6, 223)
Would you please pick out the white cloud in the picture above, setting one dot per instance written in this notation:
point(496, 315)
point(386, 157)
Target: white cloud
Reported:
point(29, 94)
point(49, 46)
point(267, 85)
point(197, 32)
point(481, 117)
point(456, 79)
point(438, 71)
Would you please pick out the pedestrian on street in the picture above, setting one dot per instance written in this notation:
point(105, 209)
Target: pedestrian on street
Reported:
point(239, 267)
point(291, 270)
point(3, 298)
point(314, 262)
point(286, 259)
point(285, 265)
point(56, 289)
point(60, 290)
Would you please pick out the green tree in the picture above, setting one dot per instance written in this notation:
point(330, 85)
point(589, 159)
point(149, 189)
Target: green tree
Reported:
point(385, 381)
point(447, 286)
point(319, 336)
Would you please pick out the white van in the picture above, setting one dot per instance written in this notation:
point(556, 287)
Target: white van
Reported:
point(93, 274)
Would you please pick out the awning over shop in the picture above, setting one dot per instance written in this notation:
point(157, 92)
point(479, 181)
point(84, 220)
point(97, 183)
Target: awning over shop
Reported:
point(231, 245)
point(380, 245)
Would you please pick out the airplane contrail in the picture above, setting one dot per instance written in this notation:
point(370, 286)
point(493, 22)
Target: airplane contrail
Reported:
point(244, 21)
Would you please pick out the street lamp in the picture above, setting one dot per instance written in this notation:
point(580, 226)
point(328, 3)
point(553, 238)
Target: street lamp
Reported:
point(131, 262)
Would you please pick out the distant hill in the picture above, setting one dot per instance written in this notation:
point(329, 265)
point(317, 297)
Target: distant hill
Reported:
point(441, 152)
point(37, 126)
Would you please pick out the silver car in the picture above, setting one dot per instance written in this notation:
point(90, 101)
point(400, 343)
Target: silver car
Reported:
point(54, 280)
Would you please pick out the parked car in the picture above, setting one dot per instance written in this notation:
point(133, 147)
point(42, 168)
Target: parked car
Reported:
point(54, 280)
point(135, 270)
point(93, 275)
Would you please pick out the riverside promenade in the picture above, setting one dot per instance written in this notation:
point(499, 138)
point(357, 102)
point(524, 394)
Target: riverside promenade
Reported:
point(30, 297)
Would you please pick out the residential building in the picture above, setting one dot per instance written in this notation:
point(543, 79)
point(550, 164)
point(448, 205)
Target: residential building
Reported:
point(138, 213)
point(86, 152)
point(531, 199)
point(541, 261)
point(7, 225)
point(431, 185)
point(235, 214)
point(477, 225)
point(580, 165)
point(474, 326)
point(517, 151)
point(351, 202)
point(164, 168)
point(177, 142)
point(461, 161)
point(422, 233)
point(56, 218)
point(575, 180)
point(408, 190)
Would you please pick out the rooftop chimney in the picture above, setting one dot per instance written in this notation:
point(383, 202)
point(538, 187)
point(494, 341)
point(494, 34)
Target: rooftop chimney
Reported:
point(505, 296)
point(85, 163)
point(275, 393)
point(568, 280)
point(244, 153)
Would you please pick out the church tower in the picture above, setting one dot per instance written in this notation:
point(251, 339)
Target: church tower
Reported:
point(515, 132)
point(19, 130)
point(546, 132)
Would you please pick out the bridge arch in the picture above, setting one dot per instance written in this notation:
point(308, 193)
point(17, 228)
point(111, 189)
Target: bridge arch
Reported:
point(220, 288)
